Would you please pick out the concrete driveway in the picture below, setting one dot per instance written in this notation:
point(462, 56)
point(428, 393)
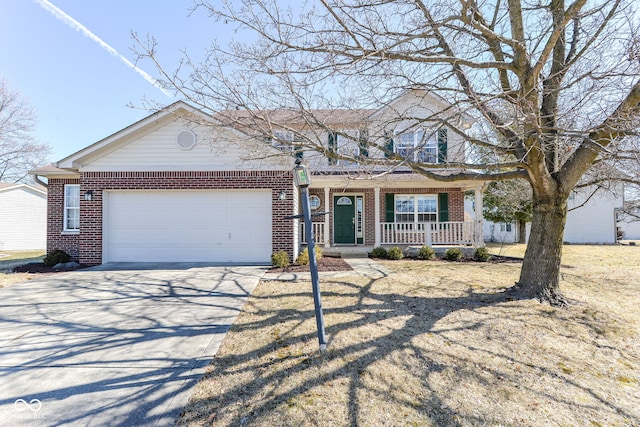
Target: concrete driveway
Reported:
point(115, 345)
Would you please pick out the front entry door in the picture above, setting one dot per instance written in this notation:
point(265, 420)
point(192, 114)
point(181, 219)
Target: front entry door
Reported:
point(344, 219)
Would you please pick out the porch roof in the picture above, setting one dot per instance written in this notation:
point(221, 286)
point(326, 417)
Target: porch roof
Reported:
point(399, 179)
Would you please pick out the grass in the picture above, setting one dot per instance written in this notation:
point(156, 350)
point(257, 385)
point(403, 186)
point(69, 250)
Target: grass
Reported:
point(11, 259)
point(435, 344)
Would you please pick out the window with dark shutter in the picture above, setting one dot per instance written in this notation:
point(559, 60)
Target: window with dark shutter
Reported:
point(331, 144)
point(443, 207)
point(442, 145)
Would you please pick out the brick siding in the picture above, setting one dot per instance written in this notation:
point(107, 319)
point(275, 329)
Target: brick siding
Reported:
point(86, 246)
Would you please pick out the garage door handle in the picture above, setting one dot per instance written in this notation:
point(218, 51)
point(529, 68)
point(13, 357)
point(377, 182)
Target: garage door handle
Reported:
point(229, 236)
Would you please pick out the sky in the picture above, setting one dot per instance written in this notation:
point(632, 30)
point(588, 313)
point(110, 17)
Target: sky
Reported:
point(72, 61)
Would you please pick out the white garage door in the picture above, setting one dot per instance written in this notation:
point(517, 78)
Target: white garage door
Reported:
point(187, 226)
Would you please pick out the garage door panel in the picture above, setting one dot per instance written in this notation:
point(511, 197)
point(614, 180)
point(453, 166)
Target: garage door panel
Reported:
point(183, 226)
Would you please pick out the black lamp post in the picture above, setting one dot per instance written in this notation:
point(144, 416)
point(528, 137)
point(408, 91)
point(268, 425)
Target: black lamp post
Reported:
point(302, 180)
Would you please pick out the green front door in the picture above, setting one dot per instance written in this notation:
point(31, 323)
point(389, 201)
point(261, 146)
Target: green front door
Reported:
point(344, 219)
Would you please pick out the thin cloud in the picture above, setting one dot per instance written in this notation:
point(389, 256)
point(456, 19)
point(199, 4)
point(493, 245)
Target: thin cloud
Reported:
point(59, 14)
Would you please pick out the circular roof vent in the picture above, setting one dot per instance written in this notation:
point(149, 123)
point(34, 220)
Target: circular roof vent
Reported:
point(186, 139)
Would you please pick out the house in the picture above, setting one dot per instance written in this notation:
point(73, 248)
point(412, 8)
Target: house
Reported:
point(592, 215)
point(629, 220)
point(182, 185)
point(591, 218)
point(23, 217)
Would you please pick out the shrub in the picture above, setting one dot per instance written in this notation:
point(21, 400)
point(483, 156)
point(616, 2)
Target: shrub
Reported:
point(280, 259)
point(453, 254)
point(395, 253)
point(426, 252)
point(481, 254)
point(303, 258)
point(56, 256)
point(379, 252)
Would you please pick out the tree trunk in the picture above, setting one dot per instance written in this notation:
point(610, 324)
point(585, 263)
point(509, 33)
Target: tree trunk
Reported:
point(522, 232)
point(540, 274)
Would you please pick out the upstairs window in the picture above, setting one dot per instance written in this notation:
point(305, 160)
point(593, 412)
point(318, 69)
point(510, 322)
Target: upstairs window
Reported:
point(348, 143)
point(71, 207)
point(287, 142)
point(418, 145)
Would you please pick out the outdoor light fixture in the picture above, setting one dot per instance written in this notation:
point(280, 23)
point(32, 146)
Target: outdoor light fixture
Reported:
point(88, 195)
point(283, 195)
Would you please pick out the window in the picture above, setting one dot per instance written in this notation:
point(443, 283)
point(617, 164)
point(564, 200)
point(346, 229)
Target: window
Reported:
point(71, 207)
point(417, 146)
point(505, 227)
point(314, 202)
point(348, 143)
point(416, 209)
point(285, 142)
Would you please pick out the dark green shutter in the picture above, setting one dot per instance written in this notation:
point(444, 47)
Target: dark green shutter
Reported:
point(442, 145)
point(333, 140)
point(388, 145)
point(443, 207)
point(363, 144)
point(389, 207)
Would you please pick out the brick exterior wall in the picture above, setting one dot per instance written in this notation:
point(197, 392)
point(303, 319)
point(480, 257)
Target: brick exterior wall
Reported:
point(56, 238)
point(86, 246)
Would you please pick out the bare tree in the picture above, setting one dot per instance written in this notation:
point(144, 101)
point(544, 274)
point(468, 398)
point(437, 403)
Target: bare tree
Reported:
point(19, 152)
point(552, 86)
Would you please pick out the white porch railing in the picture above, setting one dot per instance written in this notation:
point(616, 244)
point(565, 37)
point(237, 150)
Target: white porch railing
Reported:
point(427, 233)
point(318, 233)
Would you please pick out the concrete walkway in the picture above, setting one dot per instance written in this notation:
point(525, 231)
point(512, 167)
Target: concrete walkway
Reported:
point(362, 266)
point(119, 345)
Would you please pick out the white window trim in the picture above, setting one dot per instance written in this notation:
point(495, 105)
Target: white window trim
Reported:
point(430, 147)
point(347, 143)
point(66, 210)
point(415, 212)
point(285, 141)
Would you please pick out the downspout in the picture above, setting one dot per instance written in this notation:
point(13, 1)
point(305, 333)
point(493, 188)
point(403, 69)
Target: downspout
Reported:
point(36, 178)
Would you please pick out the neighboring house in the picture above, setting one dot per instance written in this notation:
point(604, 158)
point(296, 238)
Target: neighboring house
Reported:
point(165, 189)
point(23, 217)
point(591, 219)
point(492, 231)
point(629, 220)
point(592, 216)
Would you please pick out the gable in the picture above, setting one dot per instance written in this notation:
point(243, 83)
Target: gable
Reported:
point(178, 138)
point(168, 148)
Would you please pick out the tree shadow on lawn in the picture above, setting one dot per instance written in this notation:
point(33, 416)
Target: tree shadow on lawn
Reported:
point(96, 348)
point(393, 359)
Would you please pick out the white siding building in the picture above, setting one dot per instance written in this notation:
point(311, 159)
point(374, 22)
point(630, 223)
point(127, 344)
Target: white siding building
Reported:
point(23, 217)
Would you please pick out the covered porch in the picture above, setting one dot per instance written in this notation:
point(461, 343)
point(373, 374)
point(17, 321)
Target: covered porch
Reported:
point(408, 211)
point(401, 233)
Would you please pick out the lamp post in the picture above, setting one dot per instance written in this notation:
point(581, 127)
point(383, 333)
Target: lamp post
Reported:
point(302, 180)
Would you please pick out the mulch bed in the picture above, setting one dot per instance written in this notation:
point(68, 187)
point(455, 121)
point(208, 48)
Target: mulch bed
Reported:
point(39, 267)
point(324, 264)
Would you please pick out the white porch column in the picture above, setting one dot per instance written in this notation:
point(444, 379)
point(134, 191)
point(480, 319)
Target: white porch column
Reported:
point(327, 218)
point(376, 193)
point(479, 219)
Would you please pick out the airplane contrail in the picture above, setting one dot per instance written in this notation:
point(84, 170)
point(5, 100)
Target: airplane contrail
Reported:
point(68, 20)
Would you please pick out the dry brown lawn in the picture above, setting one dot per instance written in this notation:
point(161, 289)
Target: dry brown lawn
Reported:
point(11, 259)
point(435, 344)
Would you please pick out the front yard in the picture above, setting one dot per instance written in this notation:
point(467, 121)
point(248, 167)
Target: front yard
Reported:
point(436, 343)
point(11, 259)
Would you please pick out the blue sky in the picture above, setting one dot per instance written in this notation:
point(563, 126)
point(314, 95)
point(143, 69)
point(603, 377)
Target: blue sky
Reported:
point(79, 89)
